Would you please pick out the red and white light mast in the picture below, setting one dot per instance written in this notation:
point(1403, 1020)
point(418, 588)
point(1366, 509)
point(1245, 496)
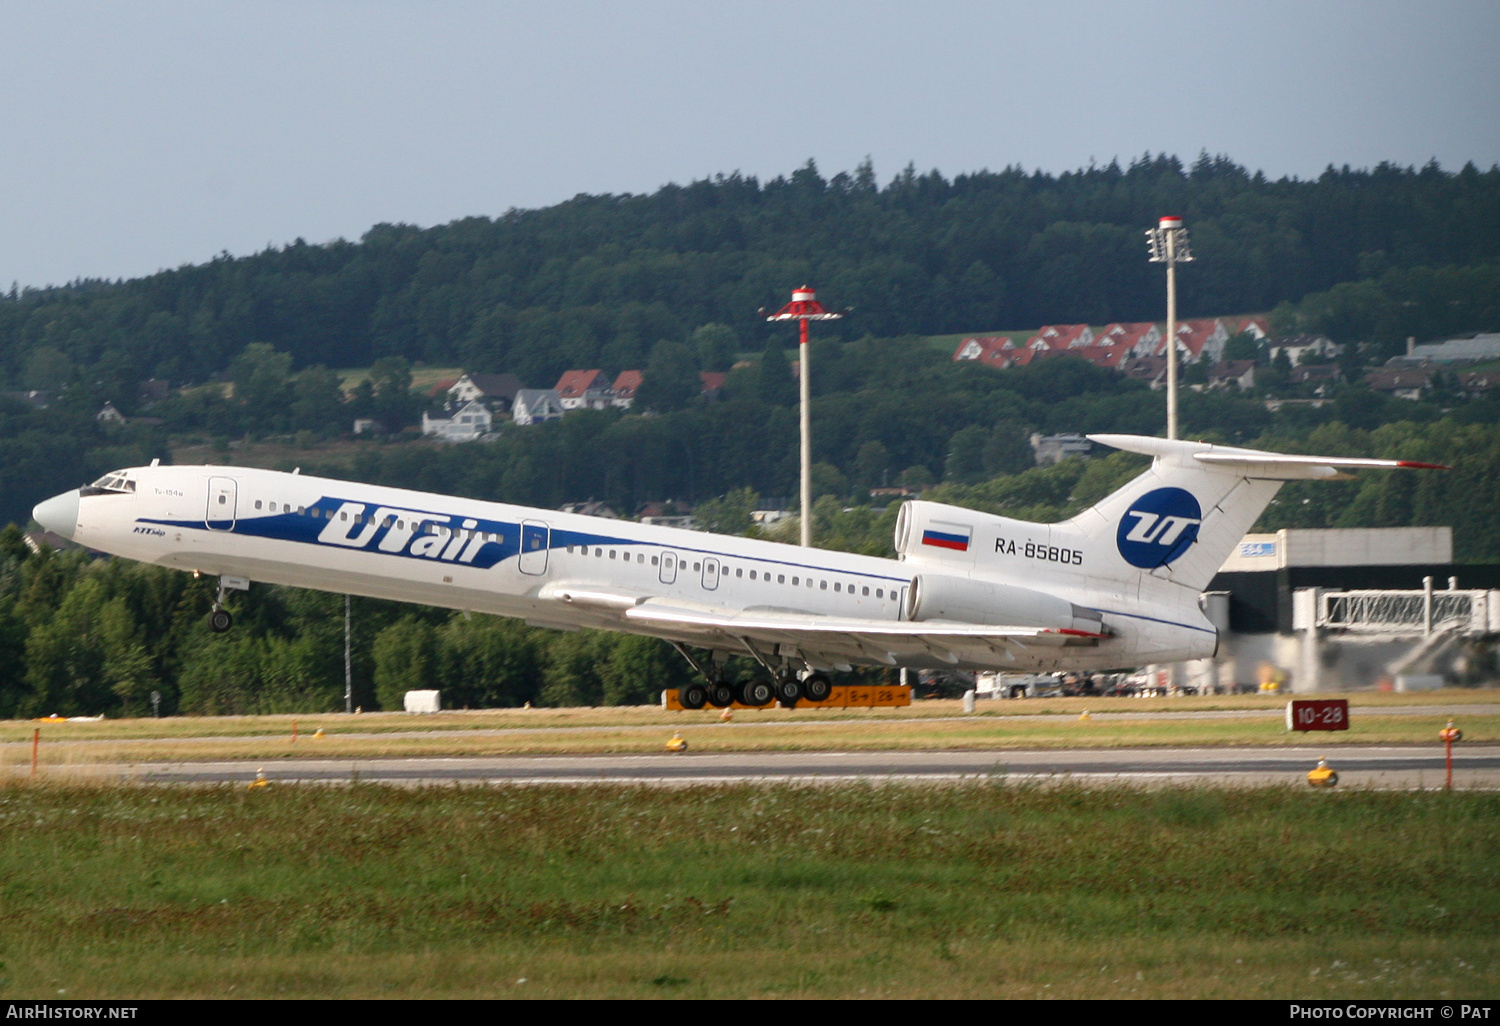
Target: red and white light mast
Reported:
point(805, 307)
point(1169, 245)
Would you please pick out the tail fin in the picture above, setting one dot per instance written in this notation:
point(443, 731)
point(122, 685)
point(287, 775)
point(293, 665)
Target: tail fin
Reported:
point(1175, 524)
point(1180, 519)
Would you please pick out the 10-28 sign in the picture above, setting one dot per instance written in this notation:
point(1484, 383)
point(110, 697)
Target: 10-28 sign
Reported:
point(1317, 714)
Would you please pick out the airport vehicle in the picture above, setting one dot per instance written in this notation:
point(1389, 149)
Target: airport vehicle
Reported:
point(1117, 585)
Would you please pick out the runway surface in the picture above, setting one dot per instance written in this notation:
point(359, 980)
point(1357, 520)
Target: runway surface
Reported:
point(1396, 767)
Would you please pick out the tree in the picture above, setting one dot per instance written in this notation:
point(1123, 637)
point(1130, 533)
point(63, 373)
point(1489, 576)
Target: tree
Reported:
point(318, 401)
point(670, 380)
point(775, 386)
point(871, 464)
point(965, 462)
point(260, 375)
point(716, 345)
point(405, 660)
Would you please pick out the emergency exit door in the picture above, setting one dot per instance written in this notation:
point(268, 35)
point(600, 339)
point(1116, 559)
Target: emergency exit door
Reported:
point(535, 536)
point(222, 496)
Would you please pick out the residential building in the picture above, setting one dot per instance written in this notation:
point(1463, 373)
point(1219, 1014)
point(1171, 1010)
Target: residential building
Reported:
point(1299, 347)
point(536, 405)
point(496, 391)
point(1142, 337)
point(1053, 449)
point(1239, 374)
point(1403, 383)
point(1256, 327)
point(471, 421)
point(1319, 375)
point(583, 389)
point(1061, 336)
point(713, 383)
point(1199, 340)
point(592, 508)
point(109, 415)
point(624, 389)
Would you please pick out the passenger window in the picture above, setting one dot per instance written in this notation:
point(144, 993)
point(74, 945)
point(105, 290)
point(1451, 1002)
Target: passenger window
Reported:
point(655, 560)
point(598, 553)
point(864, 591)
point(640, 558)
point(835, 585)
point(697, 567)
point(781, 579)
point(795, 582)
point(221, 500)
point(880, 593)
point(822, 585)
point(739, 571)
point(611, 553)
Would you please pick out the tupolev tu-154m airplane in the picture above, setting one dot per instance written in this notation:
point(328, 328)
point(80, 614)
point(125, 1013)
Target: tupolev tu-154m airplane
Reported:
point(1118, 585)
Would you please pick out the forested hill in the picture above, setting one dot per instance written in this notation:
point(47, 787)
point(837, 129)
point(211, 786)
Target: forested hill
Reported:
point(597, 280)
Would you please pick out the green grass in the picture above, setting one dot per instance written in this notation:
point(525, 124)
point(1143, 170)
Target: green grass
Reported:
point(982, 890)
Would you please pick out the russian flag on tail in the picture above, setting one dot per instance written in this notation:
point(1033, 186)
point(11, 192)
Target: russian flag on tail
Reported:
point(947, 536)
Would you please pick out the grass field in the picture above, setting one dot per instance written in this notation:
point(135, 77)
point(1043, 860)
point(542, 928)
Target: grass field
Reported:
point(835, 891)
point(1043, 723)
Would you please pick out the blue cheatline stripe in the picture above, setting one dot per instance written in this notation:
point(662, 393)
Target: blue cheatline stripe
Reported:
point(305, 529)
point(1157, 619)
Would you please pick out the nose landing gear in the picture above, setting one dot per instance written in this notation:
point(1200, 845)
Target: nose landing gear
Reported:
point(219, 619)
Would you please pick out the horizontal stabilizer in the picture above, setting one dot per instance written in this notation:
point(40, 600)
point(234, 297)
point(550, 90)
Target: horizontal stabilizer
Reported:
point(1255, 463)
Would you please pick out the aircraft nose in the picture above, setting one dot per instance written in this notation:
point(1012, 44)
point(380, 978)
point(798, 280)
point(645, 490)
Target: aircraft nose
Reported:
point(59, 514)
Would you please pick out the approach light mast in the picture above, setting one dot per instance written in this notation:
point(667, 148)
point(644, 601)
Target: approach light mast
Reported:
point(1168, 243)
point(805, 307)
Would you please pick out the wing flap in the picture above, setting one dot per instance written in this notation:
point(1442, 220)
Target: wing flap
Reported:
point(884, 641)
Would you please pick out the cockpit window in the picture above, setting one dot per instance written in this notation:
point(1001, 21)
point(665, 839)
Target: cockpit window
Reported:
point(114, 483)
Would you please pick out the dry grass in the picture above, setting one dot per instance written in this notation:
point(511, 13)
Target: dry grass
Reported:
point(928, 725)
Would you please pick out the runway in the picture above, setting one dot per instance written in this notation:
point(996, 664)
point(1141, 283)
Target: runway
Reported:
point(1395, 767)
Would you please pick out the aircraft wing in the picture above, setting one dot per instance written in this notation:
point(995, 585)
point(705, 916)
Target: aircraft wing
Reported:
point(835, 641)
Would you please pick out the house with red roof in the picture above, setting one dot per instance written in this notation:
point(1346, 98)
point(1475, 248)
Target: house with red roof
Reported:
point(713, 382)
point(1199, 340)
point(983, 349)
point(1061, 336)
point(1110, 357)
point(1143, 337)
point(583, 389)
point(1257, 327)
point(624, 389)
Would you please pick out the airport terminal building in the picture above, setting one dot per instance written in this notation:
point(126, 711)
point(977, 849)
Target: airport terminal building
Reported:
point(1350, 609)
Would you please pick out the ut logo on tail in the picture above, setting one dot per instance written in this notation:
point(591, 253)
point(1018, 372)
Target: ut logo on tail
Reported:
point(1158, 527)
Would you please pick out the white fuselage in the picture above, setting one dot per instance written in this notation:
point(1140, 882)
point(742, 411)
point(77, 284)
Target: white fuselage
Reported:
point(551, 568)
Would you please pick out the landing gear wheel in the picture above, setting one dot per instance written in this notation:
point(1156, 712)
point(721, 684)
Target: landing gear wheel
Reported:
point(220, 621)
point(788, 690)
point(757, 692)
point(720, 695)
point(817, 687)
point(692, 697)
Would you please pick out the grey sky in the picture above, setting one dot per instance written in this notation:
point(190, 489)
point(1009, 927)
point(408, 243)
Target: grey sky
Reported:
point(146, 135)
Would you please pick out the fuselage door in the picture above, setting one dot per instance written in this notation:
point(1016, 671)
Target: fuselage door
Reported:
point(710, 573)
point(668, 567)
point(222, 496)
point(534, 538)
